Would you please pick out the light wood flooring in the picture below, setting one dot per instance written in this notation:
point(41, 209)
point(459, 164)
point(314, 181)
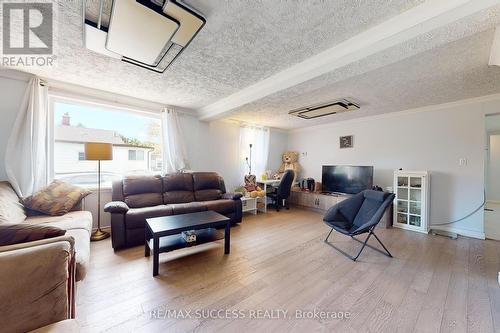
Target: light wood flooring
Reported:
point(279, 261)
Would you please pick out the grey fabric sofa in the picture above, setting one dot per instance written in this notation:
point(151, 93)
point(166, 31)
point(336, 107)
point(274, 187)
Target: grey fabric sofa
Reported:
point(37, 280)
point(78, 224)
point(140, 197)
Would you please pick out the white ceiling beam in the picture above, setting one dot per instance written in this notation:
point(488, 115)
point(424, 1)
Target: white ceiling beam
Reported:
point(419, 20)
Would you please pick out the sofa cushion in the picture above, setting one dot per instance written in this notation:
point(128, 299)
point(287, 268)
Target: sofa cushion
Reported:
point(223, 206)
point(142, 191)
point(82, 251)
point(73, 220)
point(207, 186)
point(207, 195)
point(16, 233)
point(206, 180)
point(58, 198)
point(178, 182)
point(11, 210)
point(186, 208)
point(136, 217)
point(144, 200)
point(175, 197)
point(178, 188)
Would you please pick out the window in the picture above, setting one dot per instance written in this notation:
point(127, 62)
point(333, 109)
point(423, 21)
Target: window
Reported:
point(136, 139)
point(254, 142)
point(136, 155)
point(131, 155)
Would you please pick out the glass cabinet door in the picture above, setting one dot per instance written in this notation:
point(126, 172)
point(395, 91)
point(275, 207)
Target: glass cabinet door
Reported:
point(416, 182)
point(415, 194)
point(402, 203)
point(415, 220)
point(409, 204)
point(403, 181)
point(402, 218)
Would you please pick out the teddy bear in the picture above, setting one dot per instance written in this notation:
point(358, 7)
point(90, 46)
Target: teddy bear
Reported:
point(290, 161)
point(252, 188)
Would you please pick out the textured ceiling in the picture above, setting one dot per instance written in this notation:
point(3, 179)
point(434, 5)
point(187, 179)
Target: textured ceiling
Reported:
point(448, 64)
point(244, 42)
point(448, 73)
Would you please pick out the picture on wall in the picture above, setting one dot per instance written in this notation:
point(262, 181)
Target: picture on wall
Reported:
point(347, 141)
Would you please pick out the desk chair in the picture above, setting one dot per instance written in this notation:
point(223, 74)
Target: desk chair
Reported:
point(282, 193)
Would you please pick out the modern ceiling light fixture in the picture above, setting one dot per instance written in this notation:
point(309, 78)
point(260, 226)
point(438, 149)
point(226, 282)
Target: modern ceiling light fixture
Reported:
point(324, 109)
point(147, 33)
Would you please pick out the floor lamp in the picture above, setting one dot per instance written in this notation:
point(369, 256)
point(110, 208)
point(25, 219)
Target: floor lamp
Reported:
point(96, 151)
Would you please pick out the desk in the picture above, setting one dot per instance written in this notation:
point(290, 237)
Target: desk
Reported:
point(264, 184)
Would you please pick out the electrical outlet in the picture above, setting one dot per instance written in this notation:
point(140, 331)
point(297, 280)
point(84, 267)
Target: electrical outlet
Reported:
point(462, 162)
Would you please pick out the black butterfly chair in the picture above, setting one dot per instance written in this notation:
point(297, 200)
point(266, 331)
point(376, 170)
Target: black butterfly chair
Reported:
point(283, 190)
point(358, 215)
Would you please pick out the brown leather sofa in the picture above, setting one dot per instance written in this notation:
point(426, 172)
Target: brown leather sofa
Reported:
point(137, 198)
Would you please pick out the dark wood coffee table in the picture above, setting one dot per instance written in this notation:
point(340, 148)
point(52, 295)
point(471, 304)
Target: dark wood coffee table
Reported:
point(163, 234)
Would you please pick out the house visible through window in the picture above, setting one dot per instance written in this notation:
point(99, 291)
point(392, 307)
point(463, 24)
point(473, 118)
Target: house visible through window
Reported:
point(135, 137)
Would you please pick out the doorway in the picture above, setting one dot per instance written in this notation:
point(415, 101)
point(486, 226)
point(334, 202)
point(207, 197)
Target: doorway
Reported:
point(492, 178)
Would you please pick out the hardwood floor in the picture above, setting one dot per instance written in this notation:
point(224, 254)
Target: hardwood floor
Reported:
point(279, 261)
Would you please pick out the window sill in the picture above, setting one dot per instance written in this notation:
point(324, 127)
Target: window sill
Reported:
point(94, 188)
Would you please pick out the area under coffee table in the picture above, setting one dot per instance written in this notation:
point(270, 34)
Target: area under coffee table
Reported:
point(163, 234)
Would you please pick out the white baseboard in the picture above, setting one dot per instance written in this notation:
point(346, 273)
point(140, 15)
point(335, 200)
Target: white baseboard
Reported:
point(461, 232)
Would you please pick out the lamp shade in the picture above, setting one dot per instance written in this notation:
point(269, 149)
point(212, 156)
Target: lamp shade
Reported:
point(97, 151)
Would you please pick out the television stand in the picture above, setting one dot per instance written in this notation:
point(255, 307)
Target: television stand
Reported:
point(336, 194)
point(316, 200)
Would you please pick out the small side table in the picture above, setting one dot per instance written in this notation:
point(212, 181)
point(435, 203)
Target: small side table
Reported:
point(249, 205)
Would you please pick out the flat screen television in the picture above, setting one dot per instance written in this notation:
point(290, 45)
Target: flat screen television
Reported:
point(346, 178)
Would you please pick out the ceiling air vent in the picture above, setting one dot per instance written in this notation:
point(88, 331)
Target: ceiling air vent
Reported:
point(324, 109)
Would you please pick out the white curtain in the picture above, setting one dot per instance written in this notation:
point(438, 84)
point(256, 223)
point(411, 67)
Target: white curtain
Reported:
point(27, 151)
point(174, 148)
point(259, 138)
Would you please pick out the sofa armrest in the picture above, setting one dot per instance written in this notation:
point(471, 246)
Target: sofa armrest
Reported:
point(37, 282)
point(116, 207)
point(232, 196)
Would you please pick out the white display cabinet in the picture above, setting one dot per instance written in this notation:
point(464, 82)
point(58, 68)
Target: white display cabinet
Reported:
point(411, 205)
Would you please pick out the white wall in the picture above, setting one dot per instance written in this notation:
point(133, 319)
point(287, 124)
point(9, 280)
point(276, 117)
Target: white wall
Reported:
point(278, 144)
point(214, 147)
point(433, 139)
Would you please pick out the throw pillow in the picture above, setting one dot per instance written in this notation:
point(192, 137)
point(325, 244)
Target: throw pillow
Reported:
point(56, 199)
point(24, 232)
